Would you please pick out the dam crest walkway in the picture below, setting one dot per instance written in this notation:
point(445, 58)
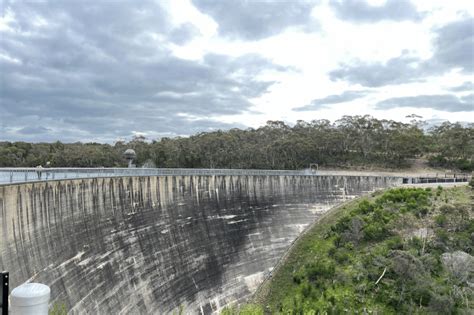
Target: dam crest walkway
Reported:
point(35, 174)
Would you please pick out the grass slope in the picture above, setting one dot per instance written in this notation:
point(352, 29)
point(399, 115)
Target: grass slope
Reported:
point(403, 251)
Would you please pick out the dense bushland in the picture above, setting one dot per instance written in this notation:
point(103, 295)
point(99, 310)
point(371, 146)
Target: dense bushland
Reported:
point(406, 251)
point(349, 142)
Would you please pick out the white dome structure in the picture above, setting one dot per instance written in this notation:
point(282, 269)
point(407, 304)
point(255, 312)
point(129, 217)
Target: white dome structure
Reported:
point(130, 155)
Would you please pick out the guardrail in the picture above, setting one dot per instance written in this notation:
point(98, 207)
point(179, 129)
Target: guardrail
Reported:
point(21, 175)
point(433, 180)
point(32, 174)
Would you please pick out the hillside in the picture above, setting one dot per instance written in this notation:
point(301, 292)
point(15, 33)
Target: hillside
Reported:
point(404, 251)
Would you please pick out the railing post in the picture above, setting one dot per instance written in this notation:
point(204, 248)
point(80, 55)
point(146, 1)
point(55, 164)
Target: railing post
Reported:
point(4, 291)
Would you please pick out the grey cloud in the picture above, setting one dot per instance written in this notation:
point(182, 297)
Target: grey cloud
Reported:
point(183, 34)
point(115, 31)
point(33, 130)
point(361, 11)
point(321, 103)
point(447, 102)
point(468, 99)
point(107, 129)
point(253, 20)
point(398, 70)
point(453, 48)
point(89, 74)
point(466, 86)
point(253, 63)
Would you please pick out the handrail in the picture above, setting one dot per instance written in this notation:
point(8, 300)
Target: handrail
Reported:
point(31, 174)
point(21, 175)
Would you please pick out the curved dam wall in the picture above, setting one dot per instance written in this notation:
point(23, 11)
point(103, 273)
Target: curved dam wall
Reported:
point(127, 245)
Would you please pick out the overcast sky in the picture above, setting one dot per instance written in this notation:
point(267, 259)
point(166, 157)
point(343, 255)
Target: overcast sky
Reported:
point(108, 70)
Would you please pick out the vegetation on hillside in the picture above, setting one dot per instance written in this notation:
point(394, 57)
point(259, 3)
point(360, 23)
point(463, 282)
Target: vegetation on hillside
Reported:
point(349, 142)
point(405, 251)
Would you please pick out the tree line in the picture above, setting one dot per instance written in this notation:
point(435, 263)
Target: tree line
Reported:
point(352, 141)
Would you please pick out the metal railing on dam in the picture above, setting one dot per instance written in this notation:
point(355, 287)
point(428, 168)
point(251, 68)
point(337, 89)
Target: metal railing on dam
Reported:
point(22, 175)
point(33, 174)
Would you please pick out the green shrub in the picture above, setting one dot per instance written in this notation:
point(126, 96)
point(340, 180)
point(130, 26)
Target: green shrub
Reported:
point(432, 264)
point(338, 242)
point(470, 226)
point(421, 212)
point(415, 243)
point(418, 195)
point(381, 216)
point(447, 209)
point(441, 304)
point(395, 242)
point(439, 189)
point(247, 309)
point(438, 161)
point(441, 220)
point(421, 294)
point(58, 308)
point(341, 256)
point(297, 278)
point(442, 235)
point(464, 165)
point(320, 269)
point(251, 309)
point(341, 225)
point(349, 246)
point(365, 207)
point(306, 289)
point(441, 161)
point(464, 241)
point(375, 231)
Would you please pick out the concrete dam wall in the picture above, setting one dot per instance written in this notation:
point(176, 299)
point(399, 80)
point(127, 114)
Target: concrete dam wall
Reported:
point(154, 244)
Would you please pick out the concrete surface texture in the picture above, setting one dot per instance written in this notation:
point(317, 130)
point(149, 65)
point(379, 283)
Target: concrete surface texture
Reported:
point(155, 244)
